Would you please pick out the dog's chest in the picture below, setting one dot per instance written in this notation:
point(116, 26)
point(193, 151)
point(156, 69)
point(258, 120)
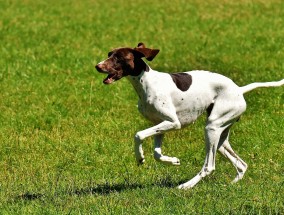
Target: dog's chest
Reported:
point(151, 108)
point(160, 99)
point(152, 97)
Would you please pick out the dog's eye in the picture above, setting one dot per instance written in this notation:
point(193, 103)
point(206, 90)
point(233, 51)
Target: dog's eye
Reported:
point(109, 54)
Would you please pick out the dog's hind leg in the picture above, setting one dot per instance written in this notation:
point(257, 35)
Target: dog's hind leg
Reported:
point(241, 166)
point(225, 149)
point(225, 112)
point(212, 136)
point(158, 152)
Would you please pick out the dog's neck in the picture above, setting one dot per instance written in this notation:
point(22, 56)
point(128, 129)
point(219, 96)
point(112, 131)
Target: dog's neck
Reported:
point(139, 82)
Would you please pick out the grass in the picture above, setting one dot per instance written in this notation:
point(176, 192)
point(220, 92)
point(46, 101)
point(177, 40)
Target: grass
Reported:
point(67, 139)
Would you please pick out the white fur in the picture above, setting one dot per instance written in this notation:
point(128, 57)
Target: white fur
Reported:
point(169, 108)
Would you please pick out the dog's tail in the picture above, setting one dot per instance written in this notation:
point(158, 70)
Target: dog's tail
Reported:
point(253, 86)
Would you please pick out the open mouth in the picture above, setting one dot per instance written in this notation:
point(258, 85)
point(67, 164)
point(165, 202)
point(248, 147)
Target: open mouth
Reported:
point(110, 79)
point(113, 75)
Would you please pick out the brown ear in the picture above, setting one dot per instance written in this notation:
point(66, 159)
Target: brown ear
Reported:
point(149, 54)
point(141, 45)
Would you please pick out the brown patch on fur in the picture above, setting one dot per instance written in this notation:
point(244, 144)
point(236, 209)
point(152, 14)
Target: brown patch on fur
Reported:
point(182, 80)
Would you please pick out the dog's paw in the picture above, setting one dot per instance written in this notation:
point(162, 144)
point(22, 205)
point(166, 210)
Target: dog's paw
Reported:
point(140, 161)
point(186, 186)
point(175, 161)
point(183, 187)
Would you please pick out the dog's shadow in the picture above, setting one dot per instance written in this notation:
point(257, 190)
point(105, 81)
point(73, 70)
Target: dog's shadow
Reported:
point(100, 189)
point(106, 189)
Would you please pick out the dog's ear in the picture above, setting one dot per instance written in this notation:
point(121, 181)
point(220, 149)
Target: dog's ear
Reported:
point(141, 45)
point(149, 54)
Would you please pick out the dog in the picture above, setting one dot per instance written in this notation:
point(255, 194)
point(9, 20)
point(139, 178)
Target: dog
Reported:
point(174, 100)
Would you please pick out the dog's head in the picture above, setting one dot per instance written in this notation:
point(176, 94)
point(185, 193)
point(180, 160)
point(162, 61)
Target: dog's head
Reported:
point(125, 61)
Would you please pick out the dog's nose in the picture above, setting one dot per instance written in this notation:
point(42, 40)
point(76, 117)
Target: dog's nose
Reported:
point(99, 67)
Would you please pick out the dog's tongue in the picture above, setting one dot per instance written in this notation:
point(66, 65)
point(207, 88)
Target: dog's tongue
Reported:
point(108, 79)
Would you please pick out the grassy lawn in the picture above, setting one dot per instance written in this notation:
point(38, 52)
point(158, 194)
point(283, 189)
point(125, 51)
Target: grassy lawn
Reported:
point(67, 140)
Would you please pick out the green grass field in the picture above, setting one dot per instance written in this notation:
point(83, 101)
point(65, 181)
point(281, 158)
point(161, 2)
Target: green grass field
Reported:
point(67, 140)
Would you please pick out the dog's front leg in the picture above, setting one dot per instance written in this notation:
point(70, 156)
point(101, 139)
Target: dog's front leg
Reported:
point(139, 154)
point(158, 152)
point(155, 130)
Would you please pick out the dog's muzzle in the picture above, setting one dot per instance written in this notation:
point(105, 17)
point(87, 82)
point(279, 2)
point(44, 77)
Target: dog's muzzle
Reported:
point(113, 75)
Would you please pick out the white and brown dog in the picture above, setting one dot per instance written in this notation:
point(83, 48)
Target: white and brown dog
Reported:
point(172, 101)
